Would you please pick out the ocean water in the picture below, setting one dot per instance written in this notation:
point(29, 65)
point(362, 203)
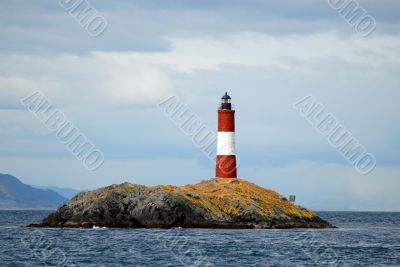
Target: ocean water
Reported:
point(362, 239)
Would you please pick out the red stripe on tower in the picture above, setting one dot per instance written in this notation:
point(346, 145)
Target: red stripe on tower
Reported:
point(226, 157)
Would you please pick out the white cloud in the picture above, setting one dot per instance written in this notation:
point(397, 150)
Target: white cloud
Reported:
point(15, 87)
point(256, 49)
point(97, 80)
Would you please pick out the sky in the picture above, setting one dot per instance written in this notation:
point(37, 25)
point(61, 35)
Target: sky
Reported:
point(266, 54)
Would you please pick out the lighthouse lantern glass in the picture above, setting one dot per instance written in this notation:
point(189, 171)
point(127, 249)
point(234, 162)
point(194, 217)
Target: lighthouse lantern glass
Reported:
point(226, 102)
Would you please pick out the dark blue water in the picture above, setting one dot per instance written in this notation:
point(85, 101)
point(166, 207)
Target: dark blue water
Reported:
point(362, 239)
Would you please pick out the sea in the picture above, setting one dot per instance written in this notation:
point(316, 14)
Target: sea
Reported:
point(361, 239)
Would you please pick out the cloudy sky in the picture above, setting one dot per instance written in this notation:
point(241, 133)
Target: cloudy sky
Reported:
point(266, 54)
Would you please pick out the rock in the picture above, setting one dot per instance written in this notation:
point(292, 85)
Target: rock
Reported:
point(215, 203)
point(234, 181)
point(193, 195)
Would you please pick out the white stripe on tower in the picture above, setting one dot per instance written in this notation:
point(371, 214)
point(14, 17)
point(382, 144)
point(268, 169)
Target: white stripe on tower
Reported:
point(226, 143)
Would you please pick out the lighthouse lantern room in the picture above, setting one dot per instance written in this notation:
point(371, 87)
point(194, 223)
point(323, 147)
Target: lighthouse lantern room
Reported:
point(226, 102)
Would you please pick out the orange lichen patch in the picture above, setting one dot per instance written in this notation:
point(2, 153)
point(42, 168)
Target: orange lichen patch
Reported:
point(169, 188)
point(224, 196)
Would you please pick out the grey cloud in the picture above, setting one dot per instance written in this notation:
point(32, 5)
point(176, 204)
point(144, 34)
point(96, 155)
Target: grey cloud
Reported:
point(44, 27)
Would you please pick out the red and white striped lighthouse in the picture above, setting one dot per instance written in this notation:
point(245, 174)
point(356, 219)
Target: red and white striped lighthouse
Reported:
point(226, 157)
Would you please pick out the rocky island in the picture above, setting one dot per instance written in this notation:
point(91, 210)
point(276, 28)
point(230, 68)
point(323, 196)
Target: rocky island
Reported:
point(215, 203)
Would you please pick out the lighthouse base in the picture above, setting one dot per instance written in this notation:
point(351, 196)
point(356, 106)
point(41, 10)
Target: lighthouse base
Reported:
point(226, 166)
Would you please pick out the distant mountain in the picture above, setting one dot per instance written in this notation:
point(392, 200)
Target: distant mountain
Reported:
point(16, 195)
point(65, 192)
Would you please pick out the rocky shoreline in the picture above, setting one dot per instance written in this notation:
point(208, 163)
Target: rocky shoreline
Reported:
point(215, 203)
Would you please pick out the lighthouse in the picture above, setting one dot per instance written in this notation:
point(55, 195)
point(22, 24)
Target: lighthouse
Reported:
point(226, 156)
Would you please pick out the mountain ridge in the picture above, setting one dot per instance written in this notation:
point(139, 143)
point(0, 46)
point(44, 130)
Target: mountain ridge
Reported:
point(16, 195)
point(63, 191)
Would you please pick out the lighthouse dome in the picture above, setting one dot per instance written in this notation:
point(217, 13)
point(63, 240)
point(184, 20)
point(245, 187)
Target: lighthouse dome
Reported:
point(226, 96)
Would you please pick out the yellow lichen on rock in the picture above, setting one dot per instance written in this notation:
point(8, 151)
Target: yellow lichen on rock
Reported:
point(224, 196)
